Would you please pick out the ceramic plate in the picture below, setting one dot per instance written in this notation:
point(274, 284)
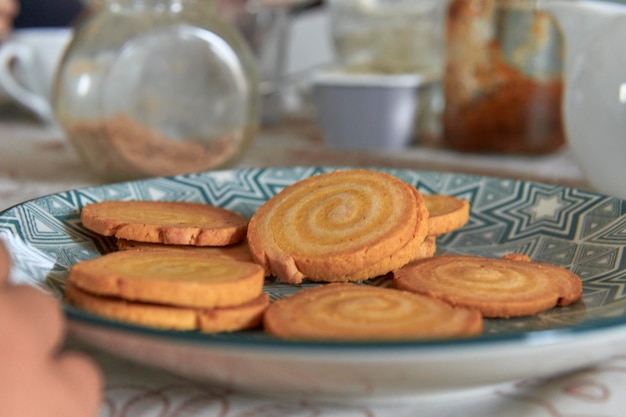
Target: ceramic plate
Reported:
point(582, 231)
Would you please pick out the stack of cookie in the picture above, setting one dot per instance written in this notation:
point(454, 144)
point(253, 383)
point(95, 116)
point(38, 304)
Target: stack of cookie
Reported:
point(166, 284)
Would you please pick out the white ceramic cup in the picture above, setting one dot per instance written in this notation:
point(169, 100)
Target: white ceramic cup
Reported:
point(28, 63)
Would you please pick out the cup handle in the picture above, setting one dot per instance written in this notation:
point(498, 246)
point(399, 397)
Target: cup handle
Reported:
point(23, 94)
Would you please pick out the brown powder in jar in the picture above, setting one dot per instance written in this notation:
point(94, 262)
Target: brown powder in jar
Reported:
point(518, 116)
point(491, 106)
point(121, 148)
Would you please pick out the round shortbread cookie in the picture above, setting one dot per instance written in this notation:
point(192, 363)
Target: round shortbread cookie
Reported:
point(170, 277)
point(445, 213)
point(237, 252)
point(361, 312)
point(497, 287)
point(170, 222)
point(335, 224)
point(225, 319)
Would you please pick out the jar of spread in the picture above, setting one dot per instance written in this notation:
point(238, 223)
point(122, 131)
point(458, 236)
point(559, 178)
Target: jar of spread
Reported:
point(156, 87)
point(503, 78)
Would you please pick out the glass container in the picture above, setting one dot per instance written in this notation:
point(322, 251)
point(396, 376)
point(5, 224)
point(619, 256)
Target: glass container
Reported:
point(503, 78)
point(156, 87)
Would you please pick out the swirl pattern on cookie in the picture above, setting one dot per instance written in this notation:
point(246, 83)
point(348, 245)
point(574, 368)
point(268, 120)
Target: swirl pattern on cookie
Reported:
point(346, 311)
point(170, 277)
point(335, 224)
point(499, 288)
point(170, 222)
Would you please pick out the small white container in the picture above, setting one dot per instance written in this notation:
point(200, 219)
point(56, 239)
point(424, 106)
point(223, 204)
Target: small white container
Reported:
point(372, 111)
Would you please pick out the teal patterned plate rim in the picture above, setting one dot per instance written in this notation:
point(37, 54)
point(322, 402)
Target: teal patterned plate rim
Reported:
point(579, 230)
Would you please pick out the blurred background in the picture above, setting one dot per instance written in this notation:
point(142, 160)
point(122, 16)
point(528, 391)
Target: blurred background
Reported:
point(325, 59)
point(472, 78)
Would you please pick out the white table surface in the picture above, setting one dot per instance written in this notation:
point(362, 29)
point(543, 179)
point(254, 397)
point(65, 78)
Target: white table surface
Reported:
point(36, 160)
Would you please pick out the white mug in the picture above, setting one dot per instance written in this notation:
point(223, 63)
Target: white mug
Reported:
point(28, 64)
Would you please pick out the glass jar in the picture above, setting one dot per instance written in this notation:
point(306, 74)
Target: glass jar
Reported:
point(156, 87)
point(503, 78)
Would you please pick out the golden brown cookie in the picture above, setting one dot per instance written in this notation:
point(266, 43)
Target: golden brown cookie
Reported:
point(224, 319)
point(446, 213)
point(170, 277)
point(497, 287)
point(170, 222)
point(362, 312)
point(238, 251)
point(334, 225)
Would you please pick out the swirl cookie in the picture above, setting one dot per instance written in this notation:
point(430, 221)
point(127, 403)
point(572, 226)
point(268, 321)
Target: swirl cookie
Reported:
point(170, 222)
point(170, 277)
point(345, 311)
point(497, 287)
point(446, 213)
point(224, 319)
point(334, 226)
